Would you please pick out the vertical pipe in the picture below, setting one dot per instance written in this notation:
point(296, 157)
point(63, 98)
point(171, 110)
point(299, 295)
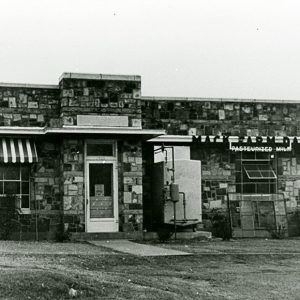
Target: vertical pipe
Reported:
point(173, 180)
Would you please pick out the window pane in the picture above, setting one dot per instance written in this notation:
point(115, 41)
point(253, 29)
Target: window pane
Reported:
point(25, 172)
point(25, 187)
point(100, 177)
point(11, 187)
point(254, 174)
point(268, 174)
point(263, 188)
point(100, 150)
point(101, 193)
point(273, 188)
point(249, 188)
point(1, 172)
point(12, 172)
point(25, 202)
point(1, 187)
point(267, 214)
point(250, 167)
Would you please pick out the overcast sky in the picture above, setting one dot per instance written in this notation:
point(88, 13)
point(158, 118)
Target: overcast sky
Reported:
point(200, 48)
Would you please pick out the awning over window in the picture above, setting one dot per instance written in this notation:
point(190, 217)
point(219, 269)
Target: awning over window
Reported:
point(259, 172)
point(14, 150)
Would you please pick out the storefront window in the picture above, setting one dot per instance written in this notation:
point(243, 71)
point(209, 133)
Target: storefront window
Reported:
point(14, 184)
point(255, 174)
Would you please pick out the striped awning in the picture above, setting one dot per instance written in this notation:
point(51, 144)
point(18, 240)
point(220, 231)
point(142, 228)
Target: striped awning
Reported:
point(14, 150)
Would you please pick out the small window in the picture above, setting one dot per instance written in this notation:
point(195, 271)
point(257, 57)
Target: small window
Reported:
point(100, 149)
point(14, 185)
point(259, 172)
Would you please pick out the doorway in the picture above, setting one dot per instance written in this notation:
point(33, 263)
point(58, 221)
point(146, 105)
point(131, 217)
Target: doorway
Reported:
point(101, 186)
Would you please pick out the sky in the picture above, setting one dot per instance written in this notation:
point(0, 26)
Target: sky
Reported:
point(184, 48)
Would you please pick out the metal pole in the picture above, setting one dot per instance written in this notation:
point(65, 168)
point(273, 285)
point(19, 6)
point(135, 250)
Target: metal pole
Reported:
point(175, 227)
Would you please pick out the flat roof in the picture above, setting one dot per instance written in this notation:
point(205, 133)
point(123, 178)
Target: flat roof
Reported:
point(92, 76)
point(207, 99)
point(29, 85)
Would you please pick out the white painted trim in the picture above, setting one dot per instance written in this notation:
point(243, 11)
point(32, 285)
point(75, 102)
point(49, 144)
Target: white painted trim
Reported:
point(22, 130)
point(105, 130)
point(104, 223)
point(29, 85)
point(114, 144)
point(79, 130)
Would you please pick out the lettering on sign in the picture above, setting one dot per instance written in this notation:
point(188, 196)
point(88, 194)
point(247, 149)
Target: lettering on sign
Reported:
point(250, 144)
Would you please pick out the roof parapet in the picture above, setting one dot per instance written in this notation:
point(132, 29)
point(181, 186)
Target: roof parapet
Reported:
point(207, 99)
point(91, 76)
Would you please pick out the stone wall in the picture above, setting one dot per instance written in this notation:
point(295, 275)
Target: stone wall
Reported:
point(45, 218)
point(25, 106)
point(222, 117)
point(72, 178)
point(130, 186)
point(99, 97)
point(288, 166)
point(129, 182)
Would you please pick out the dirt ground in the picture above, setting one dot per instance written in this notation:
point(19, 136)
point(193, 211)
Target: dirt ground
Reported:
point(242, 269)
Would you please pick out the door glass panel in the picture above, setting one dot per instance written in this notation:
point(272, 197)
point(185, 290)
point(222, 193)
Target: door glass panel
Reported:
point(101, 190)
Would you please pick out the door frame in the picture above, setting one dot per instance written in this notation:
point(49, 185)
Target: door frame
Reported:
point(101, 224)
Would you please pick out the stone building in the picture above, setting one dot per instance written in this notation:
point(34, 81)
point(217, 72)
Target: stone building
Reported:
point(250, 157)
point(76, 158)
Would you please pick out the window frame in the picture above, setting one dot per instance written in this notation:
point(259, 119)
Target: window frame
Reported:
point(259, 170)
point(101, 142)
point(19, 195)
point(247, 184)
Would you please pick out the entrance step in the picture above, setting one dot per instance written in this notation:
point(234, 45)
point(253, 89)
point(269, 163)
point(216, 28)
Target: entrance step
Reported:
point(96, 236)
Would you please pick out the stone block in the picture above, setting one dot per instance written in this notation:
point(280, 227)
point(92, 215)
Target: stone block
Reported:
point(192, 131)
point(72, 187)
point(128, 180)
point(136, 123)
point(40, 118)
point(16, 117)
point(138, 189)
point(78, 179)
point(136, 94)
point(68, 121)
point(12, 102)
point(33, 104)
point(127, 197)
point(221, 114)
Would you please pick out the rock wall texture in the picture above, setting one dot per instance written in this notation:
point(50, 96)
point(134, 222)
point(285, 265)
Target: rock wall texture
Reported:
point(118, 98)
point(228, 117)
point(29, 106)
point(222, 117)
